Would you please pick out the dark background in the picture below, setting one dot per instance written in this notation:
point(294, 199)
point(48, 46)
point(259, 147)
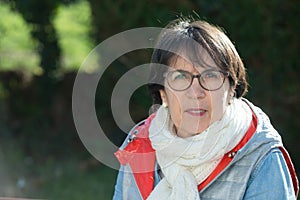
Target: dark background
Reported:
point(41, 155)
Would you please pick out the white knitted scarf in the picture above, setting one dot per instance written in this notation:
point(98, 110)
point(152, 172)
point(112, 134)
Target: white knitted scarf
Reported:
point(186, 162)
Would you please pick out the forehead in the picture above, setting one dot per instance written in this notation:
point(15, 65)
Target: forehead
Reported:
point(193, 61)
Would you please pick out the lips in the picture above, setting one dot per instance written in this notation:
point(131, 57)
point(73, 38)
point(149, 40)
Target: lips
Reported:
point(196, 111)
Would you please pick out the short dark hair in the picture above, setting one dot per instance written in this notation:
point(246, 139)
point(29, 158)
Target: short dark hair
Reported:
point(184, 37)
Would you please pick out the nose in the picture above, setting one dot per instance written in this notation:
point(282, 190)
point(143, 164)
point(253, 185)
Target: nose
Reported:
point(196, 90)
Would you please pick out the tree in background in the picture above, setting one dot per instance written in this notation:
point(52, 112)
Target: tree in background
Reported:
point(40, 15)
point(31, 106)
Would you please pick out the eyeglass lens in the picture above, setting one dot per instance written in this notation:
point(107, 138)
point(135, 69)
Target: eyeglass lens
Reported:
point(182, 80)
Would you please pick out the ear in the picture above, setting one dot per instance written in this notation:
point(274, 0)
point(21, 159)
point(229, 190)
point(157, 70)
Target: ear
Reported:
point(163, 97)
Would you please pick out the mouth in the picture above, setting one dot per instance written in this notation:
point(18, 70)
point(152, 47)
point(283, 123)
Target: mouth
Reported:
point(198, 112)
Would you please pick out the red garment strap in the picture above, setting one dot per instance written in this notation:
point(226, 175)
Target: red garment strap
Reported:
point(291, 170)
point(228, 157)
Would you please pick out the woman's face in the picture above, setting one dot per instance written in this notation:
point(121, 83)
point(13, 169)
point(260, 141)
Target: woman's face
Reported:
point(194, 109)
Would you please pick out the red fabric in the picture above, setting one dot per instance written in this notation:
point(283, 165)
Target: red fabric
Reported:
point(227, 157)
point(140, 156)
point(291, 170)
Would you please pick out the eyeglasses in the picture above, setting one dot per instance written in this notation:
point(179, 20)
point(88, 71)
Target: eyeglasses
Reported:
point(210, 80)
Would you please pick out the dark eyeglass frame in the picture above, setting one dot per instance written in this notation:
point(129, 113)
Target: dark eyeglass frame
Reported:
point(198, 76)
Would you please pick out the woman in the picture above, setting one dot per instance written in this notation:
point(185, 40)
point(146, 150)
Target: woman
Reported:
point(205, 141)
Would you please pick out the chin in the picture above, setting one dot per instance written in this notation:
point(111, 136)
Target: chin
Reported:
point(195, 131)
point(202, 128)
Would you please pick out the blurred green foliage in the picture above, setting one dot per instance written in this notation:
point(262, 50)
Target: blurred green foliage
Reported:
point(43, 43)
point(17, 48)
point(39, 14)
point(73, 25)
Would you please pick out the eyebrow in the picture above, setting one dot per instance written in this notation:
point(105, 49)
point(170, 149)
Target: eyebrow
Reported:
point(206, 67)
point(182, 68)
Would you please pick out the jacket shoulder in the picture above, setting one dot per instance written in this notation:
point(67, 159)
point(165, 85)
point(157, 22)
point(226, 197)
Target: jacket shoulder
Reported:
point(140, 130)
point(137, 146)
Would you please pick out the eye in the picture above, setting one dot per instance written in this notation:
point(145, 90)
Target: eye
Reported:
point(179, 75)
point(211, 75)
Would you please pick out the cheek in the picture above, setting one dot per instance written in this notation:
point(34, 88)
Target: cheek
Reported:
point(219, 103)
point(175, 102)
point(217, 110)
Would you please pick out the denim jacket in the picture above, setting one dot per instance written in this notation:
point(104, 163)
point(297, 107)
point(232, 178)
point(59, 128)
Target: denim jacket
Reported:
point(259, 170)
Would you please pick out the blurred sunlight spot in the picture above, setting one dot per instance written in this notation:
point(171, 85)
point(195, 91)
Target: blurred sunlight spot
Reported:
point(73, 25)
point(17, 48)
